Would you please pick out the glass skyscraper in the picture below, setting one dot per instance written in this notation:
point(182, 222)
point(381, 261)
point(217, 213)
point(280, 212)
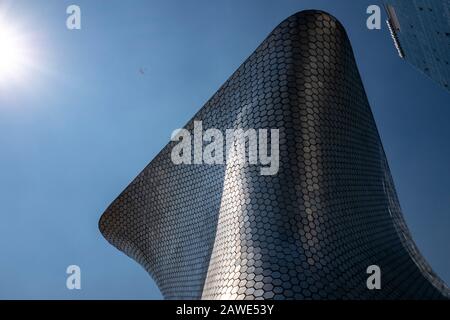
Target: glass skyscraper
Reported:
point(421, 32)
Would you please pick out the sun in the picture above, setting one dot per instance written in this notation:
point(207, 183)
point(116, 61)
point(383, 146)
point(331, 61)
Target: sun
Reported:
point(14, 54)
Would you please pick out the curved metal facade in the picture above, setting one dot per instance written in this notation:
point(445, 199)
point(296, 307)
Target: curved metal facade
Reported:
point(309, 232)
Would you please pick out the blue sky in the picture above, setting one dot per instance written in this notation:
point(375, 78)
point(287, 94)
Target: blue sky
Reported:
point(87, 121)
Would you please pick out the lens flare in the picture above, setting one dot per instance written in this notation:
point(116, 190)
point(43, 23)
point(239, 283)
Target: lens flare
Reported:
point(14, 55)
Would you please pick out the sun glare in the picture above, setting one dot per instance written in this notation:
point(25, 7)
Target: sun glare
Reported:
point(14, 55)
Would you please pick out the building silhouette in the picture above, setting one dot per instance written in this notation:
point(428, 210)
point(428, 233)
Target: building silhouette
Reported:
point(308, 232)
point(421, 33)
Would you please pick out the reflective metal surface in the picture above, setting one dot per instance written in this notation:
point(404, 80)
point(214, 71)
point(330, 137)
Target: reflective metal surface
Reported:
point(309, 232)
